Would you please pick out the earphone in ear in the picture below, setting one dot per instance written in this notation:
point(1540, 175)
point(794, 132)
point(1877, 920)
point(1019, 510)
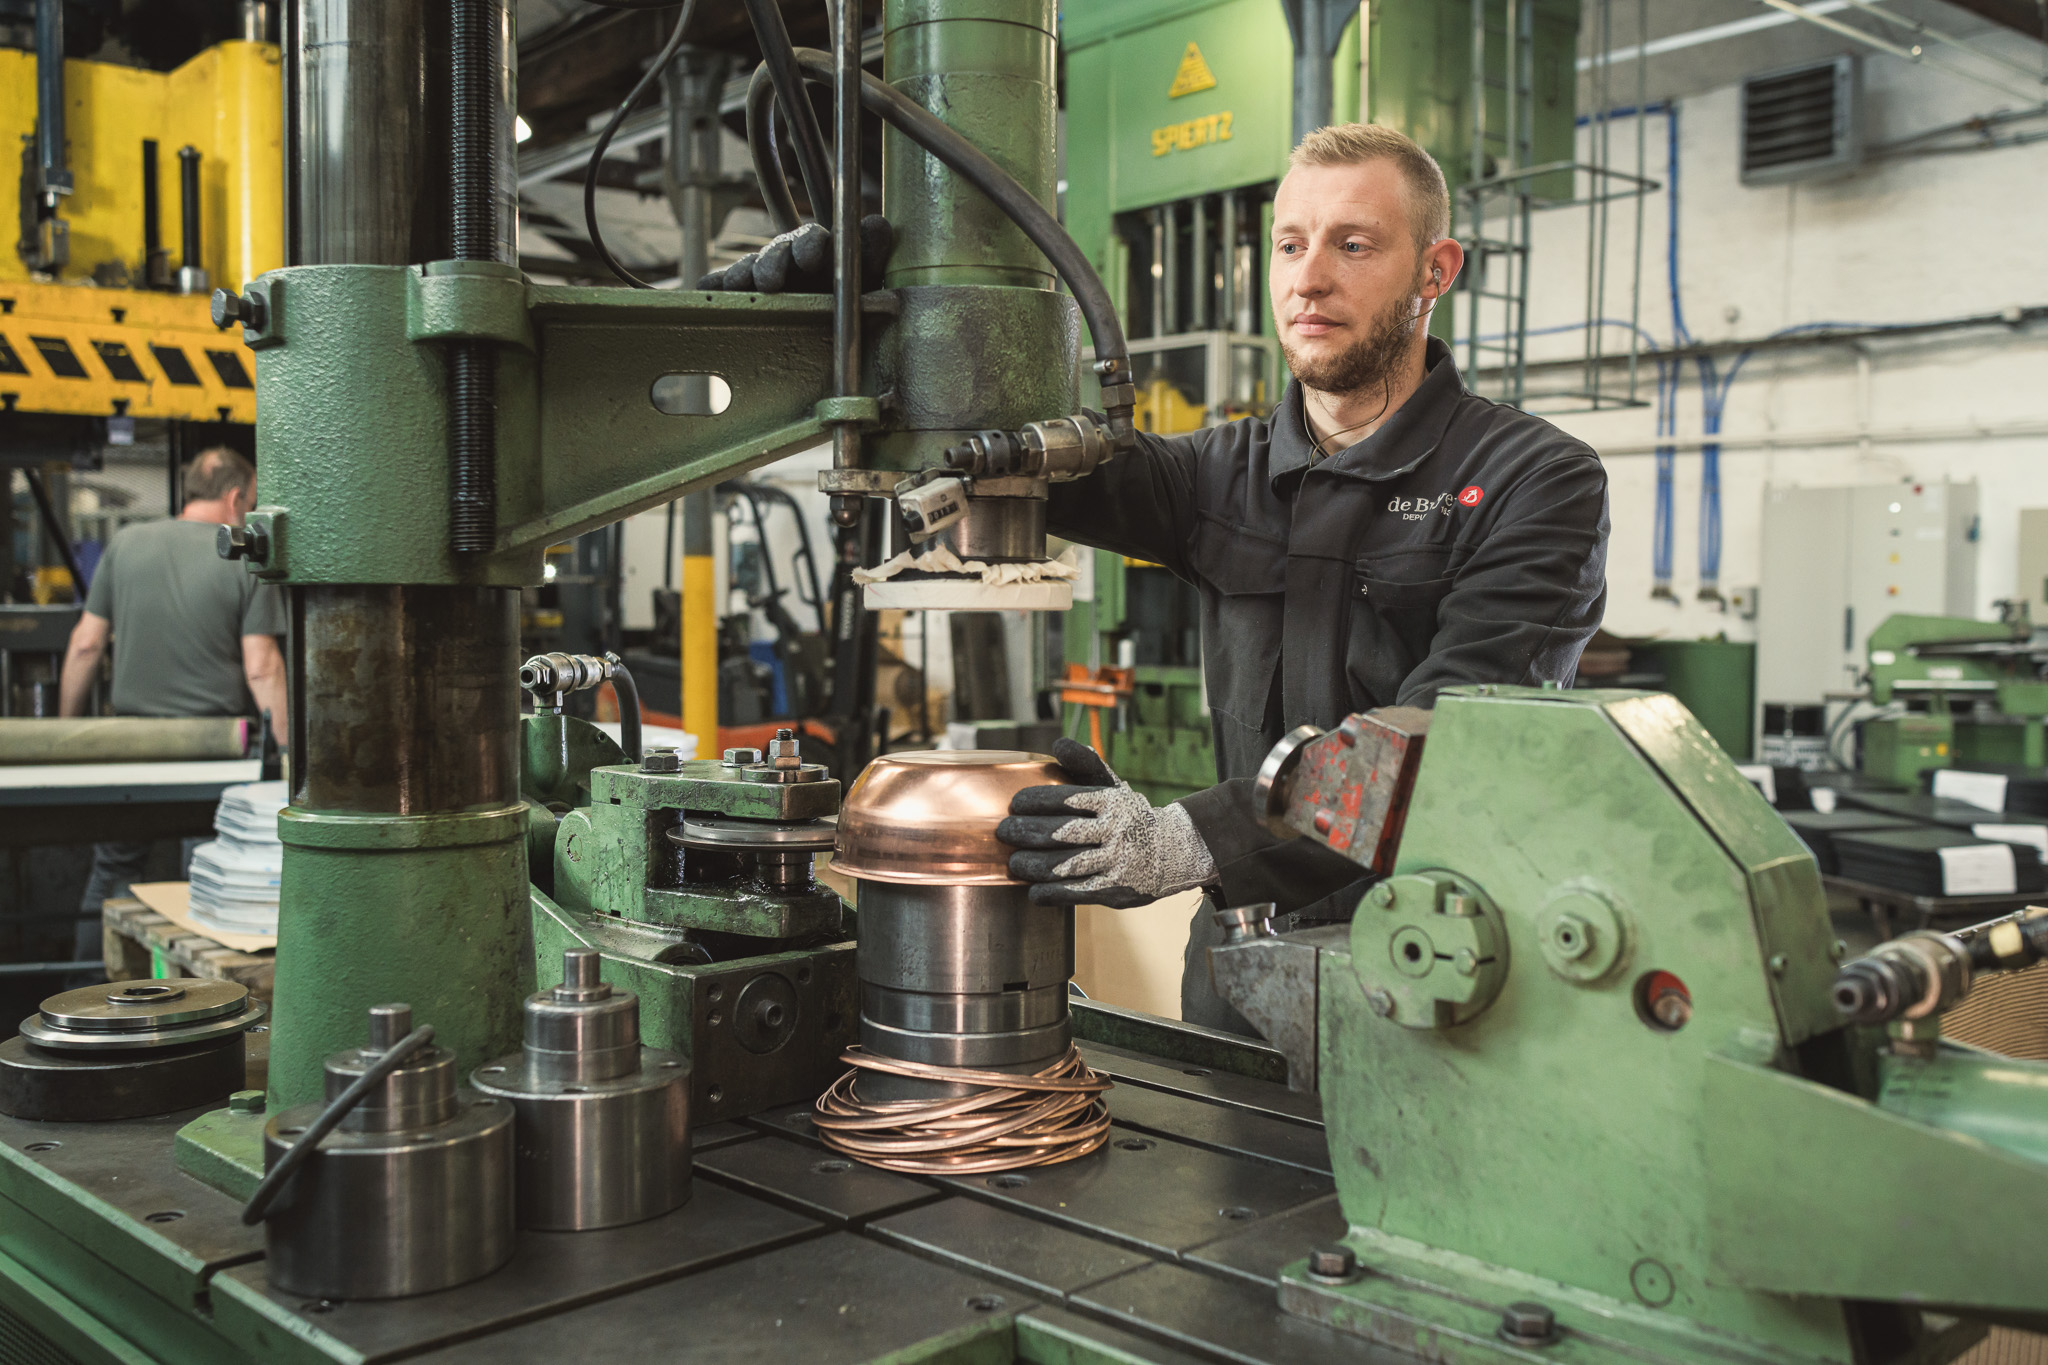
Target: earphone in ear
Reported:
point(1436, 274)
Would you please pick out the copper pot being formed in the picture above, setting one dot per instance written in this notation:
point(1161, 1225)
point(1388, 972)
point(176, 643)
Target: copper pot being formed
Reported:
point(929, 818)
point(957, 967)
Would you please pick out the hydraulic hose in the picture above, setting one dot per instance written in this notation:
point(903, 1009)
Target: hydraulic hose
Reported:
point(781, 60)
point(977, 168)
point(628, 693)
point(767, 155)
point(280, 1175)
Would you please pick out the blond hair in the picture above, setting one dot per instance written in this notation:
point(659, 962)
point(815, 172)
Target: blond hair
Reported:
point(1354, 144)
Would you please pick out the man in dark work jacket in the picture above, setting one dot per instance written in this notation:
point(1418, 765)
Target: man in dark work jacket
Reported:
point(1382, 535)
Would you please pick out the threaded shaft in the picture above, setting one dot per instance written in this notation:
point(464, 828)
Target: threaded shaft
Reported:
point(473, 187)
point(473, 443)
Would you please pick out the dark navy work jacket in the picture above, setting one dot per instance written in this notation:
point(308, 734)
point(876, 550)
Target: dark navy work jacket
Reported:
point(1462, 542)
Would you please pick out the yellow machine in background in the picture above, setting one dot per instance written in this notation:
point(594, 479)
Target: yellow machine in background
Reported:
point(111, 332)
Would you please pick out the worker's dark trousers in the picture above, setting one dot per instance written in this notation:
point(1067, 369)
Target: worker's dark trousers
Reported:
point(114, 868)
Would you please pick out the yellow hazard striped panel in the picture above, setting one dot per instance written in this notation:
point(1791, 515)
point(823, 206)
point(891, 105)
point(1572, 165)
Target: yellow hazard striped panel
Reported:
point(90, 352)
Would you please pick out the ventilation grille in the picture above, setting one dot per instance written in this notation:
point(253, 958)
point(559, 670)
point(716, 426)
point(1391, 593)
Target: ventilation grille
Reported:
point(1801, 123)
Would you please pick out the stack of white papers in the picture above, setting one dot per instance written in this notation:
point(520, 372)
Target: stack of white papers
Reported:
point(234, 877)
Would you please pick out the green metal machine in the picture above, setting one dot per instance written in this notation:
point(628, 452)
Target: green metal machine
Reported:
point(1587, 1052)
point(1976, 690)
point(1581, 1057)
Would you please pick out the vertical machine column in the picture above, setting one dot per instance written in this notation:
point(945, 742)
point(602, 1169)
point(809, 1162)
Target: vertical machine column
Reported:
point(984, 340)
point(404, 861)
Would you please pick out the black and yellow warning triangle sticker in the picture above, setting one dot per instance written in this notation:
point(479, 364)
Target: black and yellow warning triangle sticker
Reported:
point(1194, 74)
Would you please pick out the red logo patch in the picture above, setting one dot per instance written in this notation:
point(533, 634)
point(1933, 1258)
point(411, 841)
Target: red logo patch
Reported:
point(1471, 496)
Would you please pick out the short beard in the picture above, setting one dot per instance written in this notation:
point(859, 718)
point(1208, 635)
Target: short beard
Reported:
point(1371, 363)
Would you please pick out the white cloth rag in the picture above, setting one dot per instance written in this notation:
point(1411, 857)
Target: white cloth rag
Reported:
point(939, 559)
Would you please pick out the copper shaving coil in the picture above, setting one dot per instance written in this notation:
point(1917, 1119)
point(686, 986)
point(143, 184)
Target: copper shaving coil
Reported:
point(1054, 1115)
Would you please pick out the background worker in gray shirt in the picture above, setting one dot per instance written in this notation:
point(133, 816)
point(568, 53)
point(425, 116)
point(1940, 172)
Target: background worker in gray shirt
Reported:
point(197, 637)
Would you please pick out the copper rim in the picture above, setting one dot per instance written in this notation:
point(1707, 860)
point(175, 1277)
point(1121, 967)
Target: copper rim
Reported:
point(929, 818)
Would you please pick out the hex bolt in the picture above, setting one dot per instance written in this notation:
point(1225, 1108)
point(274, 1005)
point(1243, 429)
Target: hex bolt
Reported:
point(661, 761)
point(742, 758)
point(1571, 936)
point(1381, 1002)
point(1528, 1324)
point(1383, 896)
point(1333, 1264)
point(230, 308)
point(783, 751)
point(246, 1102)
point(241, 542)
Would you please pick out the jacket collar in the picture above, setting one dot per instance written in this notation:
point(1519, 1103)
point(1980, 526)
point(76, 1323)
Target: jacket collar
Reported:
point(1405, 441)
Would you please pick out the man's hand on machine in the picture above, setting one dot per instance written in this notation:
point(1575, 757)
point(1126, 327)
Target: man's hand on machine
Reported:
point(1098, 842)
point(800, 262)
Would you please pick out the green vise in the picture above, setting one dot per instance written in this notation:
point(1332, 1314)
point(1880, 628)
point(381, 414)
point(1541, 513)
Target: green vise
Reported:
point(1590, 1093)
point(694, 880)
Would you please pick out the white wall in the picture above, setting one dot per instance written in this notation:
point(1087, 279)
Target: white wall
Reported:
point(1904, 240)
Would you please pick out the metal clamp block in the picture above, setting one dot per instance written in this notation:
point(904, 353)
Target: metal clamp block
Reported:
point(467, 301)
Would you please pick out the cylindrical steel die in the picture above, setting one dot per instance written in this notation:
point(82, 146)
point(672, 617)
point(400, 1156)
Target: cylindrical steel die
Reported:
point(963, 976)
point(411, 1194)
point(603, 1131)
point(598, 1153)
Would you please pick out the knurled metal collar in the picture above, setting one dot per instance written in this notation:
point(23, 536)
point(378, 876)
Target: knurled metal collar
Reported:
point(142, 1014)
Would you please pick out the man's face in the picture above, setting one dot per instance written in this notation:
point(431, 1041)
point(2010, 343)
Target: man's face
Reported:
point(1346, 275)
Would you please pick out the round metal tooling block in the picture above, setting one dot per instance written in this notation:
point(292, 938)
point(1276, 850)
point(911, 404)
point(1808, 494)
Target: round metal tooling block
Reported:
point(386, 1214)
point(124, 1016)
point(757, 836)
point(961, 976)
point(929, 818)
point(997, 529)
point(598, 1153)
point(57, 1087)
point(603, 1123)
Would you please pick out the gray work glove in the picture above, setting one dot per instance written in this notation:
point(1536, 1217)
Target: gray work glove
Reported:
point(1098, 842)
point(800, 262)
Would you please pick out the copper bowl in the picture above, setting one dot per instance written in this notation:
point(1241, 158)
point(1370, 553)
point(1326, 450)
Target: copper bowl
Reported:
point(929, 818)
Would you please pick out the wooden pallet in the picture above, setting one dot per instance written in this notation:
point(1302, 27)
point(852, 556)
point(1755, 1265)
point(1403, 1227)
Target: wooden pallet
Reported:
point(135, 937)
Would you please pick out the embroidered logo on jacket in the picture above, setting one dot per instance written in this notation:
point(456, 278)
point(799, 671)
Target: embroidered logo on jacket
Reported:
point(1415, 509)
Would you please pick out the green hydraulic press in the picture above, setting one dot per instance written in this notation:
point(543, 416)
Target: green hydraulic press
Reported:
point(1588, 1051)
point(1979, 689)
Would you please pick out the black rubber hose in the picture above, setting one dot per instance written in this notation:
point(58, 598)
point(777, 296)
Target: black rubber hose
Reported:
point(604, 141)
point(977, 168)
point(473, 186)
point(280, 1175)
point(802, 120)
point(629, 708)
point(767, 155)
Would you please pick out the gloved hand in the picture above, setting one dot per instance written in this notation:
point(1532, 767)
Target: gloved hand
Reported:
point(800, 262)
point(1099, 842)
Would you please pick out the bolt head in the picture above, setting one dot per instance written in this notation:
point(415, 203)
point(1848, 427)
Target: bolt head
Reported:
point(1528, 1322)
point(246, 1102)
point(783, 751)
point(742, 758)
point(1383, 895)
point(1466, 962)
point(1572, 936)
point(661, 761)
point(1380, 1002)
point(1332, 1263)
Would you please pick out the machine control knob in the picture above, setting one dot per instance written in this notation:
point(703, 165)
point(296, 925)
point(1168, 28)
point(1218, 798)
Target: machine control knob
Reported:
point(242, 542)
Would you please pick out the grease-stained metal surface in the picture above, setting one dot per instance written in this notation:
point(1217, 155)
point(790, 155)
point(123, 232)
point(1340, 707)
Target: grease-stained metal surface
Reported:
point(925, 1270)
